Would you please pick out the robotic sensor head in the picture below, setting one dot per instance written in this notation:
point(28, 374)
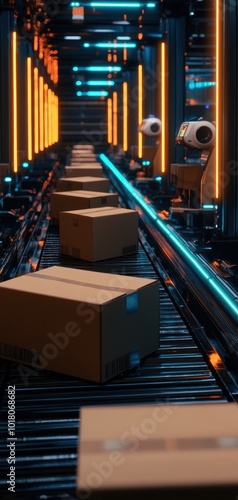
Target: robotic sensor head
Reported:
point(150, 126)
point(198, 134)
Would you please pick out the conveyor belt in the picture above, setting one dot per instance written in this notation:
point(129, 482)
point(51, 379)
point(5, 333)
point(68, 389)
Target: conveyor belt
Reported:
point(47, 404)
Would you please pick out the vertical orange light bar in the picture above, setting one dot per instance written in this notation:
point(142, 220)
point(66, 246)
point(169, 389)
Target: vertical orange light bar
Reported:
point(46, 119)
point(219, 140)
point(41, 112)
point(124, 54)
point(35, 43)
point(57, 118)
point(29, 109)
point(140, 108)
point(41, 47)
point(109, 120)
point(163, 107)
point(125, 116)
point(114, 119)
point(36, 111)
point(54, 118)
point(49, 118)
point(14, 103)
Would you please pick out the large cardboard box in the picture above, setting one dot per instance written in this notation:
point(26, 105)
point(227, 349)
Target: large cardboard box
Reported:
point(79, 200)
point(166, 452)
point(86, 183)
point(80, 323)
point(98, 234)
point(82, 171)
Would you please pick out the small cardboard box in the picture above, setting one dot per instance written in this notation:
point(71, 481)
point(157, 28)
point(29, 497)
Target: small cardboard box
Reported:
point(84, 155)
point(86, 183)
point(83, 147)
point(79, 200)
point(166, 452)
point(98, 234)
point(82, 171)
point(80, 323)
point(81, 163)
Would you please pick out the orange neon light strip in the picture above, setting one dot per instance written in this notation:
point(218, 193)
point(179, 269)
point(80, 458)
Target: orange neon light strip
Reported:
point(36, 111)
point(114, 119)
point(125, 116)
point(41, 112)
point(46, 140)
point(140, 108)
point(163, 107)
point(49, 117)
point(109, 121)
point(29, 109)
point(35, 43)
point(14, 102)
point(57, 117)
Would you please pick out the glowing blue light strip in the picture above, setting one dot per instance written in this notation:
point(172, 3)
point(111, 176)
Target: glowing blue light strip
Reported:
point(131, 5)
point(108, 45)
point(218, 289)
point(92, 93)
point(115, 4)
point(108, 69)
point(96, 83)
point(209, 206)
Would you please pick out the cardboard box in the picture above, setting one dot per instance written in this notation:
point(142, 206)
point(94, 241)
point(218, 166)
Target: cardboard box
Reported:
point(83, 154)
point(80, 323)
point(166, 452)
point(98, 234)
point(86, 183)
point(83, 147)
point(79, 200)
point(82, 171)
point(82, 163)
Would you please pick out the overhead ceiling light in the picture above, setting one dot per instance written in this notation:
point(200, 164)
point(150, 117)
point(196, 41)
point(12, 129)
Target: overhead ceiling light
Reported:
point(122, 22)
point(109, 45)
point(101, 30)
point(107, 69)
point(131, 5)
point(123, 38)
point(110, 83)
point(99, 83)
point(72, 37)
point(93, 93)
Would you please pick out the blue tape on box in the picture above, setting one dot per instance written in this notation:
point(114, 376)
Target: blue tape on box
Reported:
point(132, 302)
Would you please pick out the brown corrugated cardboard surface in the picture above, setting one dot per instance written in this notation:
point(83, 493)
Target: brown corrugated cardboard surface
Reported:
point(77, 200)
point(98, 234)
point(82, 171)
point(158, 448)
point(86, 183)
point(81, 323)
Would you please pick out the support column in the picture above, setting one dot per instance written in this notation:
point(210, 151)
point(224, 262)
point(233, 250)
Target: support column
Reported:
point(176, 82)
point(5, 86)
point(228, 179)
